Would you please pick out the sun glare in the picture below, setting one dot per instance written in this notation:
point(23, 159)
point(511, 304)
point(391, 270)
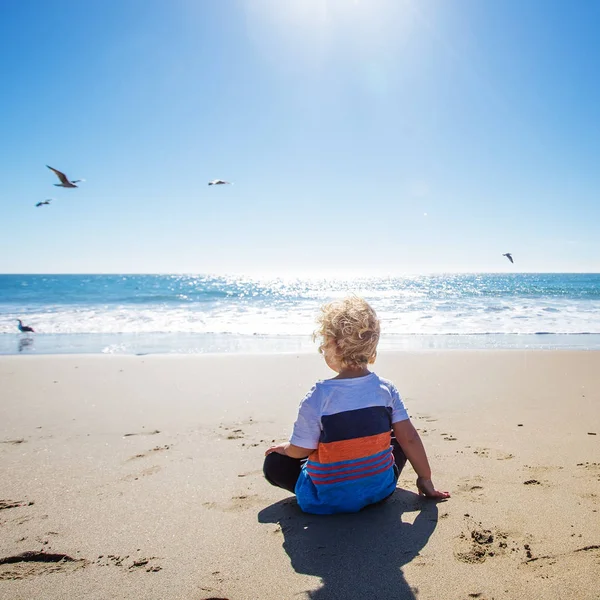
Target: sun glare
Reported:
point(308, 27)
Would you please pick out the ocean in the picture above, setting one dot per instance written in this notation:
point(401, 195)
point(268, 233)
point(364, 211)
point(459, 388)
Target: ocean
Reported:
point(140, 314)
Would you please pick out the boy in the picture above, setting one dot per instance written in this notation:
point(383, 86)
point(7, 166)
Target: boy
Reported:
point(344, 425)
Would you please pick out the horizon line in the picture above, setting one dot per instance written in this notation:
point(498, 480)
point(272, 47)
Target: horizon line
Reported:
point(357, 275)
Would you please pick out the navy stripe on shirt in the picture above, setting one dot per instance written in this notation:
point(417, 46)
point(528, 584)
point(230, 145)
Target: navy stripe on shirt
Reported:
point(352, 424)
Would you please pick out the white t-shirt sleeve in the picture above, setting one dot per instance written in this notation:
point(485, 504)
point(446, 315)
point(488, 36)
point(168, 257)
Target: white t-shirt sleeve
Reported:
point(399, 412)
point(307, 428)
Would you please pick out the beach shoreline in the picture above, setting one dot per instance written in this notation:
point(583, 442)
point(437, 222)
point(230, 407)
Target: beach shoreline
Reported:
point(144, 474)
point(125, 344)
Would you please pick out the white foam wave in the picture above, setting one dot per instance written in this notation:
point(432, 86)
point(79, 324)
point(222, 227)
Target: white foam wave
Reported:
point(417, 317)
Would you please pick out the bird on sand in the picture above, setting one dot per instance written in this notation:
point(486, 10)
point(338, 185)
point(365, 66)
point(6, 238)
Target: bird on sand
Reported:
point(64, 180)
point(44, 202)
point(25, 328)
point(509, 256)
point(219, 182)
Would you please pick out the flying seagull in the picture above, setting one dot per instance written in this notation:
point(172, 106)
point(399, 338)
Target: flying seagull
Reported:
point(509, 256)
point(44, 202)
point(64, 181)
point(219, 182)
point(25, 328)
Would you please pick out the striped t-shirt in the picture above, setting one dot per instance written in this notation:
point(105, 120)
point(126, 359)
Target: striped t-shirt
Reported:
point(348, 422)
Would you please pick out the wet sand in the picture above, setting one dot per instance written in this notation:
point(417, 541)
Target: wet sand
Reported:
point(140, 477)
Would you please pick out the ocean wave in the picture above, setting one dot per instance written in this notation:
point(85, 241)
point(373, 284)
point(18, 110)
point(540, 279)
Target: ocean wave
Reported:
point(420, 305)
point(299, 319)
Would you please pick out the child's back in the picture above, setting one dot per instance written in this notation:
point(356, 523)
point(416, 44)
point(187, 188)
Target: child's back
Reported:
point(353, 464)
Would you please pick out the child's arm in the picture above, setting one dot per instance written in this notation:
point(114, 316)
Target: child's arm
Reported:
point(290, 450)
point(412, 446)
point(307, 430)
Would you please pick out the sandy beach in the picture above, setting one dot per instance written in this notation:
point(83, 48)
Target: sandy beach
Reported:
point(140, 477)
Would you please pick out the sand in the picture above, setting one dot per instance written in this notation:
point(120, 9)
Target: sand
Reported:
point(140, 477)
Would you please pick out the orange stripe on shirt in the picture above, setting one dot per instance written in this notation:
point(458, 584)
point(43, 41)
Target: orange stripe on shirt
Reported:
point(363, 447)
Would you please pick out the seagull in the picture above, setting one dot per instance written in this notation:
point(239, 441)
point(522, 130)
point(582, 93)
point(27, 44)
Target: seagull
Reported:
point(25, 328)
point(64, 181)
point(219, 182)
point(44, 202)
point(509, 256)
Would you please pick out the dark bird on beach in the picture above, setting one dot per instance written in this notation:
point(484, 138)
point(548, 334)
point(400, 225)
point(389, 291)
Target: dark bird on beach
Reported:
point(64, 180)
point(25, 328)
point(509, 256)
point(44, 202)
point(219, 182)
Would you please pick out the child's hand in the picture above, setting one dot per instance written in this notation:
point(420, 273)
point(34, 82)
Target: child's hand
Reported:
point(426, 488)
point(280, 449)
point(289, 450)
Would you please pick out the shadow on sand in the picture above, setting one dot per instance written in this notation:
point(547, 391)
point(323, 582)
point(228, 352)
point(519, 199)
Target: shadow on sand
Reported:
point(25, 343)
point(357, 556)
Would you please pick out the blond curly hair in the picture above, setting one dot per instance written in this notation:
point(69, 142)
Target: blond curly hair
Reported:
point(354, 327)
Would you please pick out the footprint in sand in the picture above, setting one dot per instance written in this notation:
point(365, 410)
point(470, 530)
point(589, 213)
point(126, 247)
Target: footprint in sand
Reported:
point(152, 451)
point(590, 468)
point(232, 433)
point(156, 431)
point(238, 503)
point(245, 502)
point(574, 559)
point(493, 454)
point(143, 563)
point(533, 476)
point(214, 590)
point(471, 486)
point(129, 563)
point(6, 504)
point(31, 564)
point(504, 456)
point(542, 468)
point(478, 544)
point(20, 520)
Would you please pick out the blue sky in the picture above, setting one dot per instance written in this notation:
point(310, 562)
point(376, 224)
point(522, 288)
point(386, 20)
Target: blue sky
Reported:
point(367, 136)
